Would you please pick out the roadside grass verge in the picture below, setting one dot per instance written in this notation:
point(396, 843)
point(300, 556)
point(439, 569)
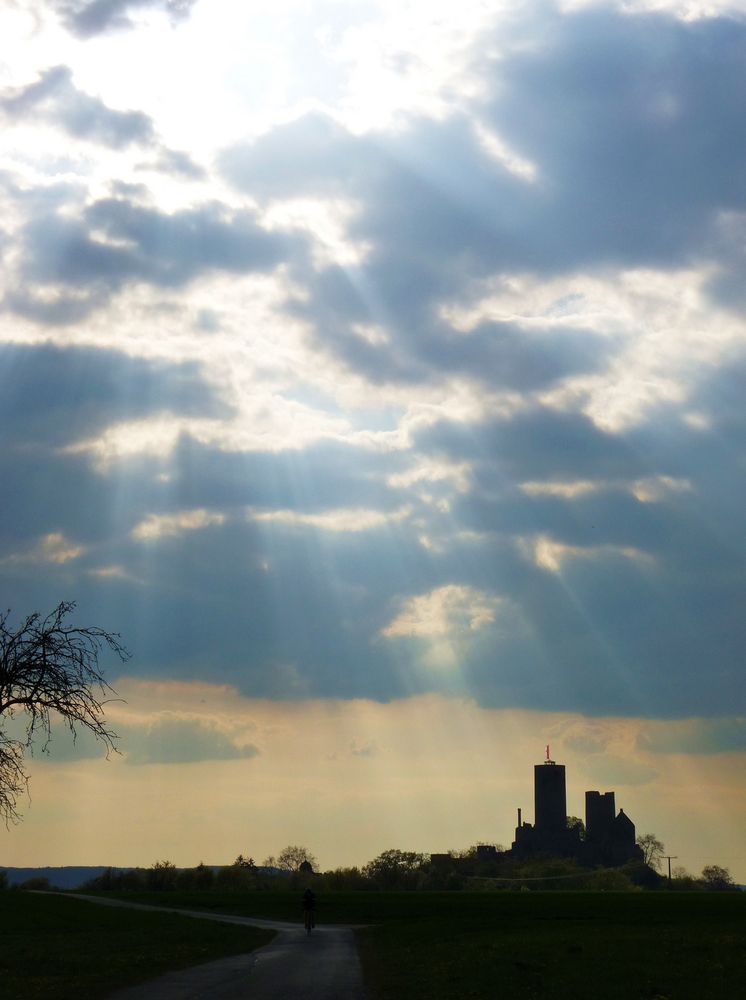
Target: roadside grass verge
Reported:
point(525, 945)
point(53, 948)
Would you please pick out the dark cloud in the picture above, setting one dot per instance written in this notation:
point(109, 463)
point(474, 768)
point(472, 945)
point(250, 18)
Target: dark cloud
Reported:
point(703, 736)
point(86, 18)
point(115, 241)
point(54, 396)
point(55, 97)
point(633, 124)
point(536, 444)
point(176, 162)
point(418, 346)
point(437, 213)
point(309, 156)
point(286, 611)
point(435, 210)
point(323, 476)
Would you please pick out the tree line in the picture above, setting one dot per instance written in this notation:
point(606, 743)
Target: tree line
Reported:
point(395, 870)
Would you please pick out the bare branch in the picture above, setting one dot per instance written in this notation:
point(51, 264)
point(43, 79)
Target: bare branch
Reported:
point(48, 667)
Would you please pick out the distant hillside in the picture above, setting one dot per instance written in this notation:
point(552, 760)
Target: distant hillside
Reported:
point(72, 877)
point(61, 878)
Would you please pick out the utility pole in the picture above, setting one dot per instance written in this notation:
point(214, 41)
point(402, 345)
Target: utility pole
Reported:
point(669, 858)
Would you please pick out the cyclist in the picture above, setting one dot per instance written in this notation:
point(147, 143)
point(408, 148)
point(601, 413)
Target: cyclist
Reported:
point(309, 910)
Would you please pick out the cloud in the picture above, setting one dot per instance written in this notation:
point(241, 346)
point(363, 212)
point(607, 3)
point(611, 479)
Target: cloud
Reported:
point(634, 170)
point(334, 520)
point(72, 265)
point(695, 736)
point(55, 98)
point(481, 413)
point(86, 18)
point(179, 164)
point(53, 548)
point(450, 610)
point(156, 526)
point(181, 741)
point(54, 396)
point(630, 119)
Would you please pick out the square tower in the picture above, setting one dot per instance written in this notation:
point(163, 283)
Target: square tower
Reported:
point(599, 815)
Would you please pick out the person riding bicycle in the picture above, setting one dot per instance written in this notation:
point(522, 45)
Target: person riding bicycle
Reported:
point(309, 910)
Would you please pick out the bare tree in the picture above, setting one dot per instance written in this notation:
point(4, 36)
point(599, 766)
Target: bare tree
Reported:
point(291, 858)
point(47, 667)
point(652, 849)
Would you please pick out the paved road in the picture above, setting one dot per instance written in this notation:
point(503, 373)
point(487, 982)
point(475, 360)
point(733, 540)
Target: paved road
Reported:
point(294, 966)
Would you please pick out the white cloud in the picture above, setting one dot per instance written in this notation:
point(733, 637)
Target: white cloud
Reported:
point(157, 526)
point(453, 610)
point(663, 322)
point(550, 555)
point(650, 489)
point(342, 520)
point(53, 549)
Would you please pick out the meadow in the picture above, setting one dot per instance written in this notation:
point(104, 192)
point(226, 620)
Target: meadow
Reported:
point(440, 946)
point(53, 948)
point(525, 945)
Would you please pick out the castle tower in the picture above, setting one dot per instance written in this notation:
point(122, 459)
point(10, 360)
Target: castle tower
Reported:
point(550, 797)
point(599, 815)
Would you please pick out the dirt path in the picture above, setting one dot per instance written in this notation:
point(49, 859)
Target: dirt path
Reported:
point(294, 966)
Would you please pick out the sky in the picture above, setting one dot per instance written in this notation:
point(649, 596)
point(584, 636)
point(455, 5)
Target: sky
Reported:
point(375, 369)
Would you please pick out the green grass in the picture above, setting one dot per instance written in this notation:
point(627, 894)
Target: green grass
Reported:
point(527, 945)
point(582, 946)
point(53, 948)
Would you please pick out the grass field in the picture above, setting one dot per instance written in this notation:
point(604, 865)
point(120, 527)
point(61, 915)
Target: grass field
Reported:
point(65, 949)
point(524, 946)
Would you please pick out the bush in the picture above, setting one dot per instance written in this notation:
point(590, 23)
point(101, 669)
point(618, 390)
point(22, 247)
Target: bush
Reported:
point(38, 883)
point(611, 880)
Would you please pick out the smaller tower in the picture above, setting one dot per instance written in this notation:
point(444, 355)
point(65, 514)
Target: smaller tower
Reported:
point(599, 816)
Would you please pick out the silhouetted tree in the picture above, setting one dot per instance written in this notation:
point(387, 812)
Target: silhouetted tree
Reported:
point(395, 869)
point(291, 858)
point(161, 876)
point(243, 862)
point(576, 823)
point(717, 879)
point(48, 667)
point(200, 877)
point(652, 849)
point(344, 879)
